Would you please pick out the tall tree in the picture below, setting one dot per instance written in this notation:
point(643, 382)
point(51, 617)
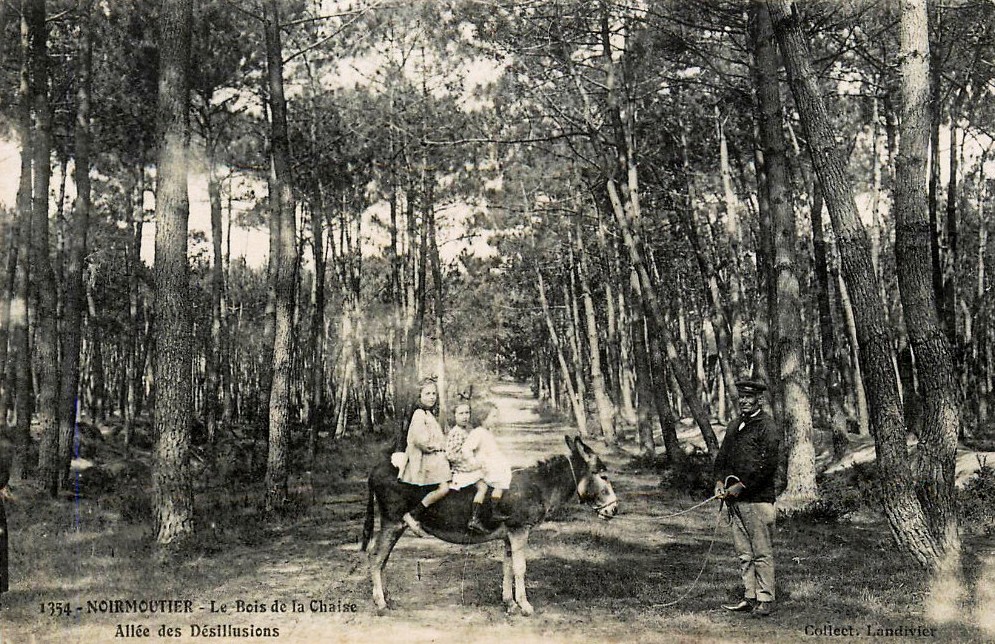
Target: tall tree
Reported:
point(788, 308)
point(938, 386)
point(43, 278)
point(605, 406)
point(20, 339)
point(902, 507)
point(73, 306)
point(171, 483)
point(282, 211)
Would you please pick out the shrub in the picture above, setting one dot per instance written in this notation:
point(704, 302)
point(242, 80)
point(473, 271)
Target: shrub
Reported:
point(845, 492)
point(976, 500)
point(136, 507)
point(695, 478)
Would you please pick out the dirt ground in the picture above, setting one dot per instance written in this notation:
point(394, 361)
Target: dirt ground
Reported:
point(589, 580)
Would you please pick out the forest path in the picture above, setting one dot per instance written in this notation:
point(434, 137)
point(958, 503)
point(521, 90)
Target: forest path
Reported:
point(589, 580)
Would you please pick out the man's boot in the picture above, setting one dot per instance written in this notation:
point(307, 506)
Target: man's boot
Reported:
point(475, 524)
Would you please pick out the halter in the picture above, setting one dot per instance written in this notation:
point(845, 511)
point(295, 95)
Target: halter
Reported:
point(596, 508)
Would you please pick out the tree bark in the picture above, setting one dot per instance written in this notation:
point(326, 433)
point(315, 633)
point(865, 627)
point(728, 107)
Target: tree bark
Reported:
point(43, 288)
point(218, 341)
point(172, 489)
point(801, 489)
point(655, 311)
point(940, 424)
point(573, 333)
point(133, 261)
point(440, 346)
point(827, 332)
point(317, 405)
point(20, 338)
point(580, 416)
point(282, 209)
point(656, 385)
point(902, 508)
point(606, 408)
point(73, 308)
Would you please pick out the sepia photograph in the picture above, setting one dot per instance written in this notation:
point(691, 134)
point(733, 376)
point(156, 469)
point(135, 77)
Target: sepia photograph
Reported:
point(497, 321)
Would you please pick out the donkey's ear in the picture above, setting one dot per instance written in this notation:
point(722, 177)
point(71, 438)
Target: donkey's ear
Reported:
point(583, 450)
point(570, 442)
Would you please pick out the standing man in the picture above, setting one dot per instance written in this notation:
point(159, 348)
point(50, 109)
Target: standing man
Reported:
point(745, 472)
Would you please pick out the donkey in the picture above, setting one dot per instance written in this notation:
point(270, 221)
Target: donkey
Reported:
point(534, 492)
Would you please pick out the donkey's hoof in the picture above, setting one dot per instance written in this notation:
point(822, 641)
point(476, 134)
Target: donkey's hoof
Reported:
point(510, 607)
point(527, 609)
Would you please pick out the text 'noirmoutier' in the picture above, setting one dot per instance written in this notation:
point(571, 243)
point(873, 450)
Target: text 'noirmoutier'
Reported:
point(177, 606)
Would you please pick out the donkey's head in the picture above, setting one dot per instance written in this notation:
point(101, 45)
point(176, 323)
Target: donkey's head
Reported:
point(593, 487)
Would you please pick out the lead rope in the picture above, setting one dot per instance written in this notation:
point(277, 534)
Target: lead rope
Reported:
point(708, 556)
point(693, 507)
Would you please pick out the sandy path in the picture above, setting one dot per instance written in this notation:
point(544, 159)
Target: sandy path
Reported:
point(589, 580)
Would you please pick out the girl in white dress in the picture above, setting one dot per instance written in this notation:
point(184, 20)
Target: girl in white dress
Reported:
point(425, 455)
point(477, 460)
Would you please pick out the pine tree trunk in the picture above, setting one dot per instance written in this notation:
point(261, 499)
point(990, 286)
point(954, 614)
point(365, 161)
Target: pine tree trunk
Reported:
point(217, 348)
point(580, 416)
point(801, 488)
point(948, 307)
point(317, 339)
point(940, 424)
point(652, 381)
point(43, 287)
point(618, 337)
point(132, 340)
point(573, 333)
point(902, 508)
point(282, 210)
point(9, 240)
point(440, 347)
point(978, 347)
point(661, 389)
point(827, 333)
point(766, 286)
point(17, 276)
point(171, 483)
point(73, 308)
point(655, 311)
point(646, 390)
point(20, 338)
point(605, 406)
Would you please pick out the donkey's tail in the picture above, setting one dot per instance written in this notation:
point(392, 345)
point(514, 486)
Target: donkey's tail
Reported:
point(368, 525)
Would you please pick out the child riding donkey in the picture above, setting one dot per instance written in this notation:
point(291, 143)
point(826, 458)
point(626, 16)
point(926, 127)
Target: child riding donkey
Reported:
point(477, 460)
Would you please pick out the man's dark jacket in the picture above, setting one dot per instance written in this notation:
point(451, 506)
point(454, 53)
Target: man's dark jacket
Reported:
point(751, 454)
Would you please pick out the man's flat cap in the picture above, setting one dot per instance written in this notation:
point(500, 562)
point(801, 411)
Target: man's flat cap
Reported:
point(750, 386)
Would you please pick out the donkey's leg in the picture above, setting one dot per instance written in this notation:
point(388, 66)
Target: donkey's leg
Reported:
point(507, 591)
point(519, 540)
point(389, 534)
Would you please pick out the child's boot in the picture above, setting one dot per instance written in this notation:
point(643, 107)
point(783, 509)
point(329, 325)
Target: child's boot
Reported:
point(475, 524)
point(413, 519)
point(497, 516)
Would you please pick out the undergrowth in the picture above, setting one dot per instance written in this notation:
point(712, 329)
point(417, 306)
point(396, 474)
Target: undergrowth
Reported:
point(976, 500)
